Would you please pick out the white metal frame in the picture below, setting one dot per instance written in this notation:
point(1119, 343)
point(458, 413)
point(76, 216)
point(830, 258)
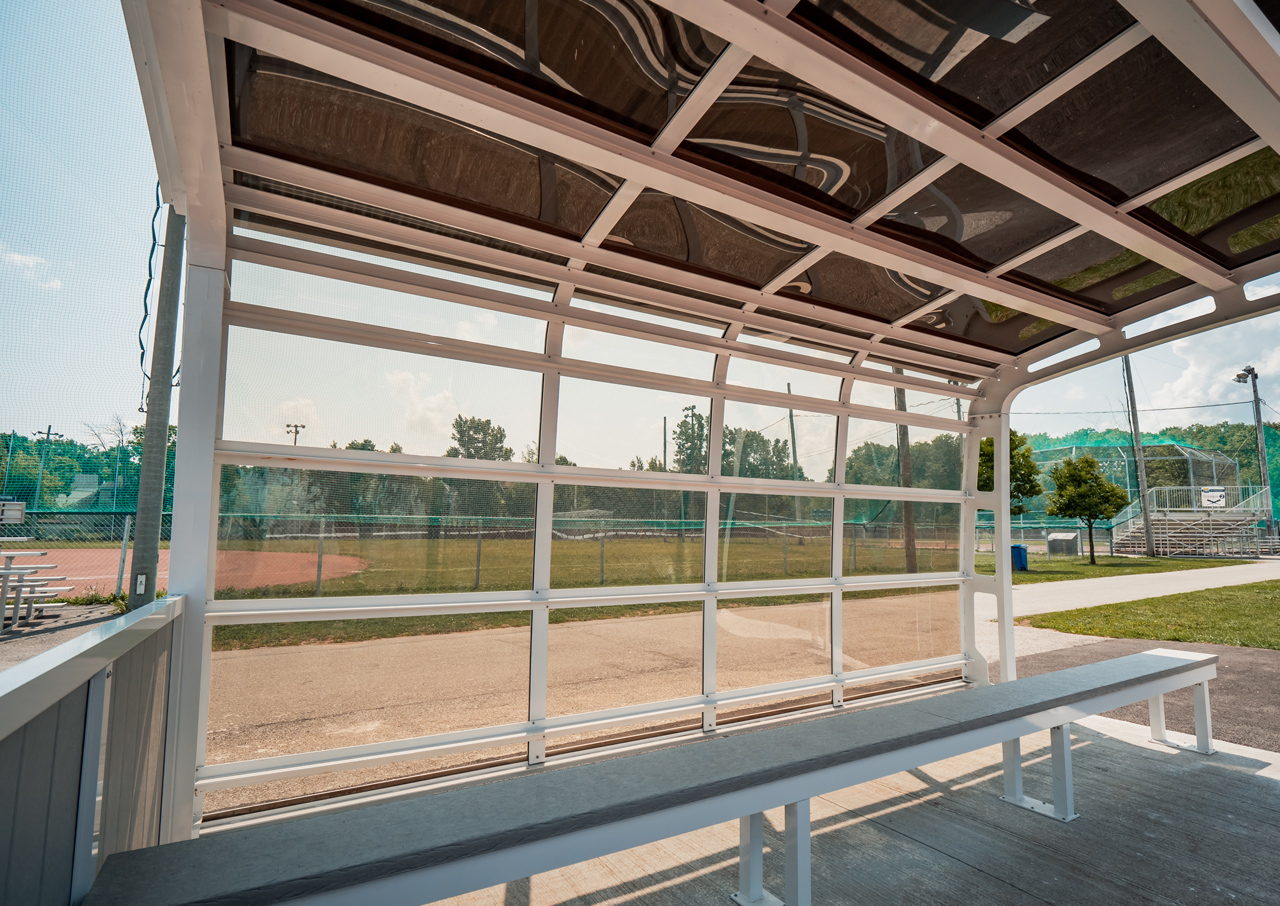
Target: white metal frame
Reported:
point(178, 53)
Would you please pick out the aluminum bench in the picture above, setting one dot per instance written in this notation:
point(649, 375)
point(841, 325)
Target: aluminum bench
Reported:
point(437, 845)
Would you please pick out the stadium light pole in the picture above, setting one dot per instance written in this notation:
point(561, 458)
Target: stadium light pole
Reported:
point(295, 430)
point(1250, 374)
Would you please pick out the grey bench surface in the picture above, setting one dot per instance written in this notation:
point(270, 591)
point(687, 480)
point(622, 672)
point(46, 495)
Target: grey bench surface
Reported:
point(274, 862)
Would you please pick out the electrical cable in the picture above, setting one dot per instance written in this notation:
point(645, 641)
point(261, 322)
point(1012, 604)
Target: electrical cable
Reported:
point(146, 296)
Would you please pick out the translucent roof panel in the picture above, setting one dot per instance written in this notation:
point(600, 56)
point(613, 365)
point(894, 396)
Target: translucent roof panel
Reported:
point(848, 283)
point(774, 127)
point(658, 225)
point(982, 57)
point(294, 112)
point(1139, 122)
point(1235, 210)
point(976, 217)
point(991, 325)
point(1094, 268)
point(628, 63)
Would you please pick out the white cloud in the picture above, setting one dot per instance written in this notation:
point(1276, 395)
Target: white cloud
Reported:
point(31, 268)
point(428, 414)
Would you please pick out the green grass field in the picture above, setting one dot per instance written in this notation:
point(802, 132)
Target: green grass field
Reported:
point(1042, 569)
point(1243, 615)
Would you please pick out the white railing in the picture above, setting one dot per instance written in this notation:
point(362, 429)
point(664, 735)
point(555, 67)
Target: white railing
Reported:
point(1237, 499)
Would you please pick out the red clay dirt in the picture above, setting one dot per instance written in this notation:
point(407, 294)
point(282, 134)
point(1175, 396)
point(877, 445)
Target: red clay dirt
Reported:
point(96, 568)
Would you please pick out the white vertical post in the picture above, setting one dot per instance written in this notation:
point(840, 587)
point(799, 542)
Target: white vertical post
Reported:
point(193, 547)
point(750, 860)
point(837, 543)
point(999, 426)
point(799, 870)
point(1011, 765)
point(1064, 797)
point(84, 861)
point(976, 670)
point(709, 660)
point(1204, 724)
point(544, 515)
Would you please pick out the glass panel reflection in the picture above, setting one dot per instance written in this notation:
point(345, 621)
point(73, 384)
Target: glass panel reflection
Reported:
point(991, 324)
point(290, 110)
point(1235, 209)
point(1094, 267)
point(775, 127)
point(881, 628)
point(630, 62)
point(767, 442)
point(680, 231)
point(774, 536)
point(893, 537)
point(849, 283)
point(901, 456)
point(982, 57)
point(968, 214)
point(761, 641)
point(1139, 122)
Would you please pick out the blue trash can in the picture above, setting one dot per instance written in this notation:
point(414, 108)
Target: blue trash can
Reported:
point(1019, 557)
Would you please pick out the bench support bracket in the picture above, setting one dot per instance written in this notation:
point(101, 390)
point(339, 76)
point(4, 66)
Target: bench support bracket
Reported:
point(799, 870)
point(751, 890)
point(1204, 722)
point(1063, 806)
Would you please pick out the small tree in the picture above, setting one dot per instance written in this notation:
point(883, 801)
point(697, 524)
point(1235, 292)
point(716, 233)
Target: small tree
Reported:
point(1024, 471)
point(1083, 492)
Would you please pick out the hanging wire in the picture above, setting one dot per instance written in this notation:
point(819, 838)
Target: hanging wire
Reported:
point(146, 296)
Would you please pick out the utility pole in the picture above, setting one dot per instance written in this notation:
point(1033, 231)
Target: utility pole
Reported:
point(1140, 460)
point(1243, 378)
point(904, 479)
point(295, 430)
point(664, 443)
point(155, 443)
point(48, 434)
point(4, 488)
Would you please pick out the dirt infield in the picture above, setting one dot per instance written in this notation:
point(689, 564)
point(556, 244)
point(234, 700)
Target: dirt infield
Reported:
point(95, 569)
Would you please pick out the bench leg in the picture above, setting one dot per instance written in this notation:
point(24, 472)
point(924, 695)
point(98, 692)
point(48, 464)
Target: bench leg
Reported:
point(1063, 805)
point(1204, 721)
point(799, 874)
point(751, 890)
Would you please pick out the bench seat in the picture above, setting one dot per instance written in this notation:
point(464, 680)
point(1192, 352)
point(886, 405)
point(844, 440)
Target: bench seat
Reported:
point(442, 844)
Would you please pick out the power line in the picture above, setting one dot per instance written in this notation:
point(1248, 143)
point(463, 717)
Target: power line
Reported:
point(1150, 409)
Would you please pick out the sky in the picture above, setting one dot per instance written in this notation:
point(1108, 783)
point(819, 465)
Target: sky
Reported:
point(77, 193)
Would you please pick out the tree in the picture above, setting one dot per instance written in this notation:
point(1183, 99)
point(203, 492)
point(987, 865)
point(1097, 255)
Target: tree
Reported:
point(1083, 492)
point(691, 436)
point(1024, 471)
point(479, 438)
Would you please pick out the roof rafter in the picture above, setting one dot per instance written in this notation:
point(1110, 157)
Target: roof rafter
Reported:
point(808, 56)
point(329, 48)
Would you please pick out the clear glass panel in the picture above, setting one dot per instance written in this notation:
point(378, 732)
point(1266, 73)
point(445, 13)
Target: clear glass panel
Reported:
point(280, 689)
point(405, 403)
point(967, 214)
point(649, 315)
point(298, 533)
point(782, 378)
point(1235, 210)
point(772, 126)
point(613, 426)
point(1140, 121)
point(318, 787)
point(604, 536)
point(899, 626)
point(280, 232)
point(991, 324)
point(891, 537)
point(761, 641)
point(286, 109)
point(642, 355)
point(273, 287)
point(774, 536)
point(1095, 268)
point(982, 57)
point(686, 233)
point(848, 283)
point(610, 657)
point(631, 65)
point(764, 442)
point(876, 457)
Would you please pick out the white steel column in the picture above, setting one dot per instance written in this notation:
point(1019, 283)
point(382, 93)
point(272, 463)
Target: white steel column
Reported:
point(193, 541)
point(1064, 797)
point(711, 541)
point(799, 872)
point(977, 671)
point(751, 890)
point(1003, 534)
point(837, 543)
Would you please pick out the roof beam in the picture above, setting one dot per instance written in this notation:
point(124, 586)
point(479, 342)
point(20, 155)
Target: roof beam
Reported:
point(329, 48)
point(1224, 48)
point(809, 56)
point(356, 225)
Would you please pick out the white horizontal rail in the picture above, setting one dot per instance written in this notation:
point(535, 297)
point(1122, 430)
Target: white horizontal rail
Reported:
point(29, 688)
point(309, 262)
point(364, 607)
